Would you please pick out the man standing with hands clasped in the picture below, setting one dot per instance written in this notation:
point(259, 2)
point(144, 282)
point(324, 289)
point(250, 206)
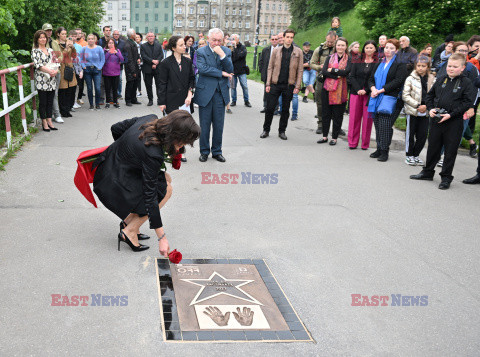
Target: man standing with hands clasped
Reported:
point(215, 69)
point(152, 54)
point(284, 78)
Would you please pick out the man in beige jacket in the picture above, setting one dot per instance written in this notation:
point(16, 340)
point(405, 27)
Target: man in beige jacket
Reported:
point(284, 78)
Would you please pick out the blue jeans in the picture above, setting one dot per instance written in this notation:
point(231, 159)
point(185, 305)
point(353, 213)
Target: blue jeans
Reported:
point(93, 74)
point(243, 83)
point(309, 77)
point(294, 105)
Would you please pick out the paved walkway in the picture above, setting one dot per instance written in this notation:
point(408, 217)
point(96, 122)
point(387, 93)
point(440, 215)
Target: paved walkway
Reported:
point(337, 223)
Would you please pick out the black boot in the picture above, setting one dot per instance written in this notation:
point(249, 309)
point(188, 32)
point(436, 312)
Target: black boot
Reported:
point(375, 154)
point(383, 155)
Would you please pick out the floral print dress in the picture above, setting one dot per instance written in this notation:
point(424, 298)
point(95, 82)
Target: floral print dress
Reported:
point(43, 81)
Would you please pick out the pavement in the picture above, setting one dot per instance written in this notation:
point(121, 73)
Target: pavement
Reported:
point(337, 223)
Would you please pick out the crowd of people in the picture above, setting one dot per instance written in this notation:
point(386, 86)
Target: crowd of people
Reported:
point(373, 83)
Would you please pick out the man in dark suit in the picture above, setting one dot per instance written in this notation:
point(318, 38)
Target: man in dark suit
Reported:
point(215, 68)
point(263, 66)
point(131, 69)
point(152, 54)
point(120, 47)
point(107, 31)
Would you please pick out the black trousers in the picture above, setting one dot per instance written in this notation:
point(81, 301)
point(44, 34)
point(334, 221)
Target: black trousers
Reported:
point(80, 85)
point(45, 103)
point(416, 134)
point(111, 88)
point(277, 90)
point(264, 97)
point(66, 99)
point(447, 134)
point(331, 112)
point(139, 84)
point(148, 79)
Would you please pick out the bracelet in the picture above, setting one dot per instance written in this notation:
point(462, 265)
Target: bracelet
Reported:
point(163, 235)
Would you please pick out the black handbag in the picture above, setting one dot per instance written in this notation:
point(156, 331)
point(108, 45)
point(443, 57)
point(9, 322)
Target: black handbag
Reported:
point(247, 70)
point(68, 74)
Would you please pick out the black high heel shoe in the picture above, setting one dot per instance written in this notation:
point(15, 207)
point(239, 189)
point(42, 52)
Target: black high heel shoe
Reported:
point(122, 237)
point(52, 128)
point(140, 236)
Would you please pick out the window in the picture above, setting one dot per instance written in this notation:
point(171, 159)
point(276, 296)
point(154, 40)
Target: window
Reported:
point(124, 5)
point(239, 11)
point(109, 16)
point(156, 17)
point(239, 24)
point(214, 23)
point(156, 7)
point(233, 24)
point(110, 6)
point(286, 7)
point(137, 4)
point(214, 11)
point(165, 17)
point(166, 5)
point(147, 5)
point(124, 28)
point(273, 6)
point(124, 16)
point(248, 12)
point(226, 11)
point(192, 9)
point(202, 10)
point(279, 6)
point(137, 29)
point(146, 17)
point(265, 31)
point(146, 29)
point(273, 18)
point(156, 30)
point(247, 25)
point(249, 1)
point(191, 23)
point(179, 10)
point(285, 19)
point(201, 23)
point(179, 23)
point(226, 24)
point(267, 7)
point(266, 18)
point(247, 37)
point(234, 11)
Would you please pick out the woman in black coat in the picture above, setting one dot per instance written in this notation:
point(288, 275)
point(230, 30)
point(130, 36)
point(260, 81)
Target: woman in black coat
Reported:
point(129, 181)
point(177, 79)
point(396, 74)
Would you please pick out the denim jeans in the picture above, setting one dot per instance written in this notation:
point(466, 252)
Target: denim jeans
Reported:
point(243, 83)
point(294, 105)
point(92, 74)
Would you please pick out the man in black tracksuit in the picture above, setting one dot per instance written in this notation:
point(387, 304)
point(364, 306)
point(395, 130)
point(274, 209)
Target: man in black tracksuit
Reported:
point(455, 93)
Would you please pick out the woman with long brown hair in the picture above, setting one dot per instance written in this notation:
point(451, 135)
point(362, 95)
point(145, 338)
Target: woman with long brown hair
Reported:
point(128, 178)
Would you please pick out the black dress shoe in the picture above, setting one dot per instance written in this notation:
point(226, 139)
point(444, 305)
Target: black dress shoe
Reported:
point(319, 131)
point(422, 176)
point(219, 157)
point(383, 156)
point(203, 157)
point(472, 180)
point(332, 142)
point(232, 104)
point(140, 236)
point(136, 102)
point(264, 135)
point(263, 110)
point(282, 136)
point(47, 130)
point(128, 104)
point(445, 184)
point(247, 104)
point(150, 103)
point(342, 132)
point(322, 141)
point(375, 154)
point(52, 128)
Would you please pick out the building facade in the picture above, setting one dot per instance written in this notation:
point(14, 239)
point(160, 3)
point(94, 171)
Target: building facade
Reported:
point(117, 15)
point(274, 18)
point(232, 16)
point(152, 15)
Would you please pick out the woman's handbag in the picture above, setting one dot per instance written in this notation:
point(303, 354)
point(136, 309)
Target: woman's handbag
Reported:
point(247, 70)
point(387, 105)
point(68, 74)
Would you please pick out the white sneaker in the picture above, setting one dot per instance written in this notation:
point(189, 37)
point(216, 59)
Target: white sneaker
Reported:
point(419, 161)
point(76, 106)
point(139, 94)
point(79, 101)
point(440, 163)
point(410, 160)
point(72, 110)
point(59, 120)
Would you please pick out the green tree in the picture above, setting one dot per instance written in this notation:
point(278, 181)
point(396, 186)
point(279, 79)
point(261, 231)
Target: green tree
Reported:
point(421, 20)
point(309, 13)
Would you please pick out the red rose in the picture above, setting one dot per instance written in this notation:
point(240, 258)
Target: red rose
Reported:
point(175, 257)
point(177, 161)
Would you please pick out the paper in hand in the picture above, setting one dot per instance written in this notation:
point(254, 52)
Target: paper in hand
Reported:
point(185, 107)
